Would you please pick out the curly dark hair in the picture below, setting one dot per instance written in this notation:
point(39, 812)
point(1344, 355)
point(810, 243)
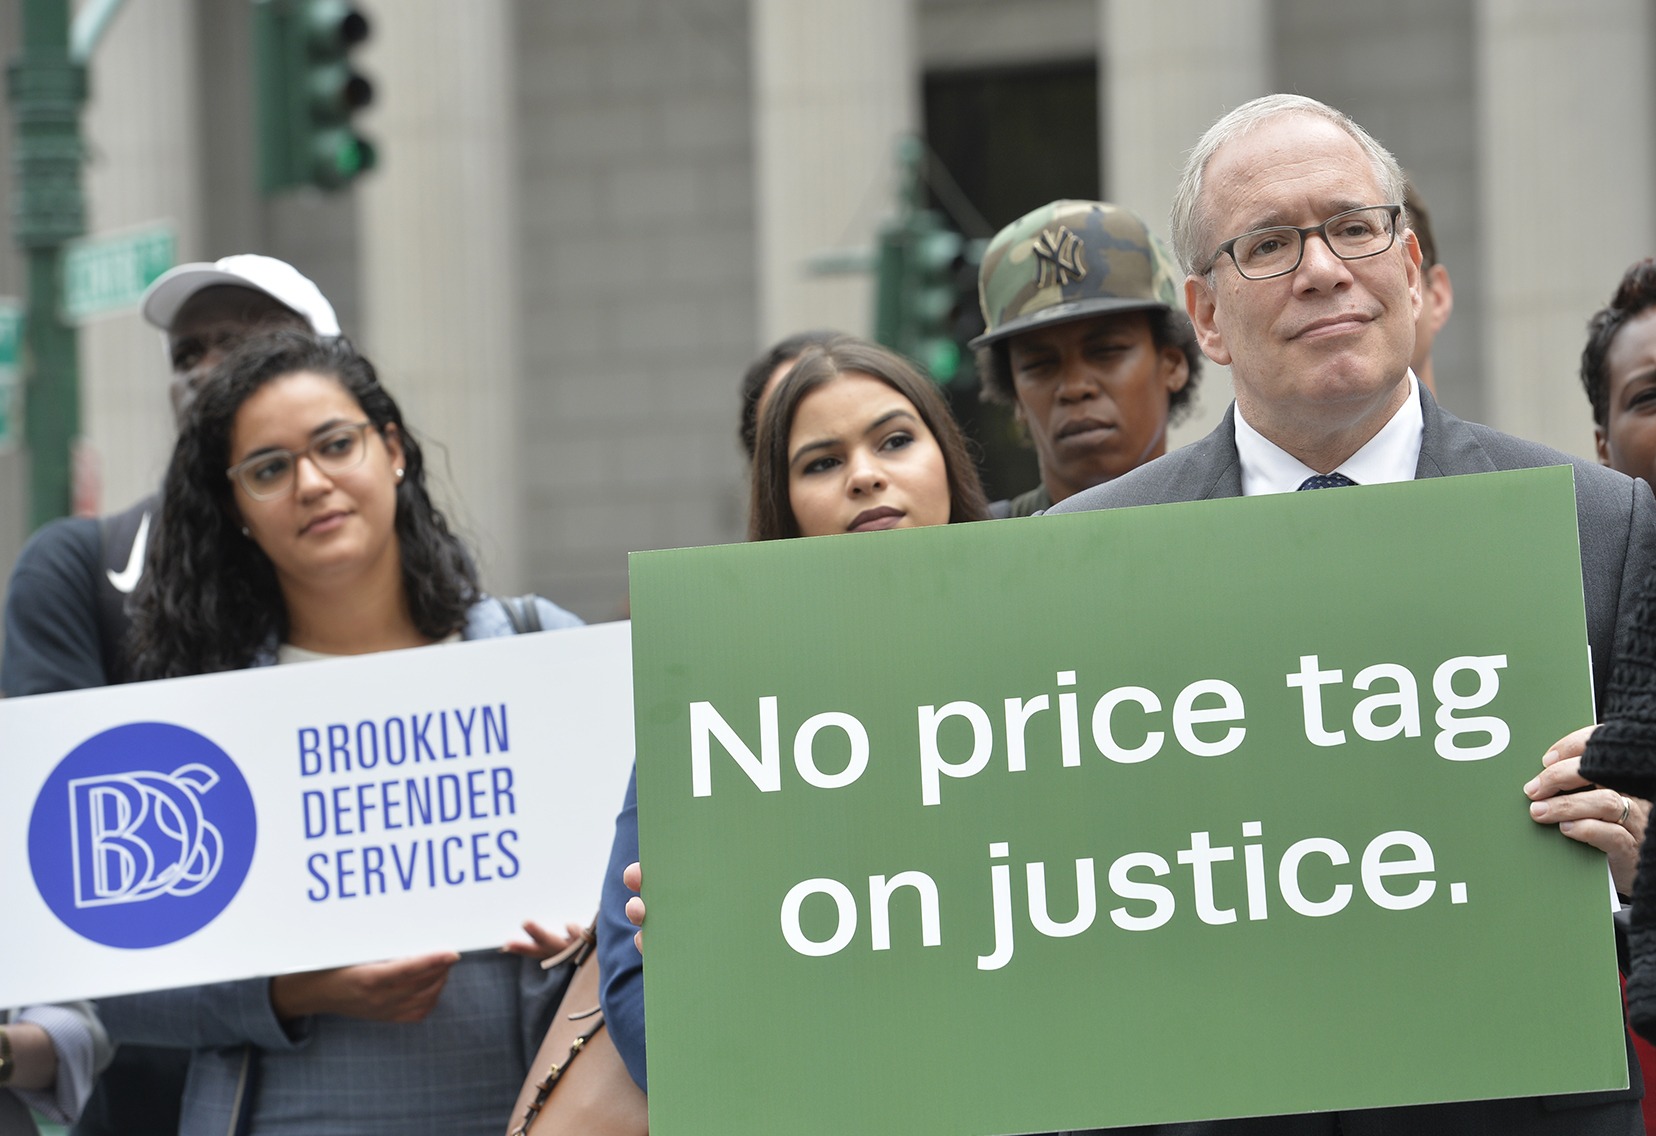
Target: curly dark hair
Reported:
point(1635, 294)
point(209, 598)
point(1168, 328)
point(770, 514)
point(759, 372)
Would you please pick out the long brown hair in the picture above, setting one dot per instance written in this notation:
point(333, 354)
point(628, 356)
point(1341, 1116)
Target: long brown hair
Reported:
point(770, 514)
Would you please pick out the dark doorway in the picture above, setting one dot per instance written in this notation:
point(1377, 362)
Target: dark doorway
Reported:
point(1003, 141)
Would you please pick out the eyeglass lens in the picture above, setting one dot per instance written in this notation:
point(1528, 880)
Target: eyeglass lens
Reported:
point(1351, 235)
point(271, 475)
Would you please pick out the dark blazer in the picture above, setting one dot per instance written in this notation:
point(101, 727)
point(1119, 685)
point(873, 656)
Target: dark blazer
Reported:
point(1615, 515)
point(1616, 519)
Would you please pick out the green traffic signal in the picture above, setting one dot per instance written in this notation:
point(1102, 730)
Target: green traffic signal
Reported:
point(308, 93)
point(332, 26)
point(919, 291)
point(338, 157)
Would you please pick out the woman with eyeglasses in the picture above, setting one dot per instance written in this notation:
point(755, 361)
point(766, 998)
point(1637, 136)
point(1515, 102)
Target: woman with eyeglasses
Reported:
point(853, 439)
point(296, 525)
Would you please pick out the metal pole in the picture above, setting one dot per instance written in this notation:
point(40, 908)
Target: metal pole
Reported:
point(47, 90)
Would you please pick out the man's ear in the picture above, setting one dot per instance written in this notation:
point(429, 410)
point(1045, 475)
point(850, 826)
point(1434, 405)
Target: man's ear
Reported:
point(1200, 303)
point(1411, 263)
point(1601, 443)
point(1443, 295)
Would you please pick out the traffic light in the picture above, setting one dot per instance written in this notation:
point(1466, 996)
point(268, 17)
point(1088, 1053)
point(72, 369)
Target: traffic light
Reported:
point(308, 93)
point(926, 271)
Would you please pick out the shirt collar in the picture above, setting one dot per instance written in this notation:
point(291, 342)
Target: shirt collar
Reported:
point(1391, 455)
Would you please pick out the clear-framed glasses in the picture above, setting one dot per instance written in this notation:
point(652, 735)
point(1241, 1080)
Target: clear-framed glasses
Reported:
point(1352, 235)
point(270, 473)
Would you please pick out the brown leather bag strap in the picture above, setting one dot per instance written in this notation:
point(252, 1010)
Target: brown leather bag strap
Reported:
point(544, 1087)
point(597, 1096)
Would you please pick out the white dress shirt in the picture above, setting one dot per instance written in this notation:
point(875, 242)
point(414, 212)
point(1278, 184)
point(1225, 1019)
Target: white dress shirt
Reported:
point(1391, 455)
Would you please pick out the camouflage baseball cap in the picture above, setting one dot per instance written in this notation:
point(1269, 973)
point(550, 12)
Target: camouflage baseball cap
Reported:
point(1069, 260)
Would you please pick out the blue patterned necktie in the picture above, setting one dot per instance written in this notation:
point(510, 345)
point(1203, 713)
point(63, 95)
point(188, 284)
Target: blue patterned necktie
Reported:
point(1327, 481)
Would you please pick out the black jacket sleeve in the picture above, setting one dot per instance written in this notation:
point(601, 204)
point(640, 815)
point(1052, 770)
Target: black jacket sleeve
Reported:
point(51, 621)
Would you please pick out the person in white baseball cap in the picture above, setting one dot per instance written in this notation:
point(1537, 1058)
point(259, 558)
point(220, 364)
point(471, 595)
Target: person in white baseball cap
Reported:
point(65, 616)
point(204, 309)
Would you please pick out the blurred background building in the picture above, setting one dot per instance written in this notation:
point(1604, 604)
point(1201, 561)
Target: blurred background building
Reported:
point(588, 215)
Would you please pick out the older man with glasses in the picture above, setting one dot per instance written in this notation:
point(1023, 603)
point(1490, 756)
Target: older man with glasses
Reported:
point(1304, 278)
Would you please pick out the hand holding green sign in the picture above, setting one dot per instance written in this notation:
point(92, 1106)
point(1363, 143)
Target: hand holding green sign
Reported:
point(1216, 794)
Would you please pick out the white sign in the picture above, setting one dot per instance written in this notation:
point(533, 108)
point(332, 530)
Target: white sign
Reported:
point(290, 818)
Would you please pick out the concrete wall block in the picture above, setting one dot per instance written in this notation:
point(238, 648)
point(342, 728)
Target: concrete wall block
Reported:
point(559, 199)
point(726, 334)
point(596, 595)
point(594, 398)
point(642, 64)
point(663, 455)
point(705, 519)
point(704, 389)
point(639, 193)
point(713, 257)
point(631, 389)
point(600, 131)
point(724, 190)
point(613, 259)
point(568, 335)
point(582, 17)
point(562, 75)
point(708, 126)
point(568, 460)
point(700, 47)
point(618, 524)
point(676, 320)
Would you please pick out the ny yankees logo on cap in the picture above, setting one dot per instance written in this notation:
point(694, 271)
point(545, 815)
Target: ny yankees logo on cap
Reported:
point(1060, 257)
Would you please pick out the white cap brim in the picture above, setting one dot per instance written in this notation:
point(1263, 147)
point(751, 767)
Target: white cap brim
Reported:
point(277, 279)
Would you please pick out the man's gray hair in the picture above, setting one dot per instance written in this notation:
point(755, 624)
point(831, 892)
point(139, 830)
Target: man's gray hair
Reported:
point(1190, 236)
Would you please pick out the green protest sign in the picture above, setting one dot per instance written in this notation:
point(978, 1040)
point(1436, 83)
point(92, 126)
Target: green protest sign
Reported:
point(1198, 811)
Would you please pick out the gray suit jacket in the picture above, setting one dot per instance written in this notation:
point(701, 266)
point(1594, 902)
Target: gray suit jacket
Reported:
point(1616, 518)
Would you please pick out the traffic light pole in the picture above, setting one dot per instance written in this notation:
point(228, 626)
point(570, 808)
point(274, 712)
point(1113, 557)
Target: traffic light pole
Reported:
point(47, 89)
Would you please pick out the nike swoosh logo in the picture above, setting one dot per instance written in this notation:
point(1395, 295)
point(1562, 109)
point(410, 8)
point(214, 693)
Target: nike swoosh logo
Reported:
point(127, 578)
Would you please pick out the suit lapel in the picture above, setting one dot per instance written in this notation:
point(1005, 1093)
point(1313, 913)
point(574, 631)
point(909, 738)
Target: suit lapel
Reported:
point(1219, 462)
point(1447, 445)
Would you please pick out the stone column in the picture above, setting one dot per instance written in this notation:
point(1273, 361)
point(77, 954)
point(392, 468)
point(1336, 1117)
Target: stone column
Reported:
point(439, 271)
point(145, 154)
point(1567, 156)
point(835, 86)
point(1168, 70)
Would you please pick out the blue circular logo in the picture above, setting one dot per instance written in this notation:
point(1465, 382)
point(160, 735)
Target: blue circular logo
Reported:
point(142, 835)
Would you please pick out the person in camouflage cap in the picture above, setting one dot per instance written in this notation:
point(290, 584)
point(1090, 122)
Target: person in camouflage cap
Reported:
point(1086, 338)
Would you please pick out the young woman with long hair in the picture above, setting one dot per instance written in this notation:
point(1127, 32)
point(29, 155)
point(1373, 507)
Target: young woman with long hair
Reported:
point(296, 525)
point(852, 439)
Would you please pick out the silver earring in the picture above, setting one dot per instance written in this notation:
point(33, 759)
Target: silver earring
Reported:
point(245, 531)
point(399, 475)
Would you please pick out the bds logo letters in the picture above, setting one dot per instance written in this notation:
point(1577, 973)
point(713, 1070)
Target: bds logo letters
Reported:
point(142, 835)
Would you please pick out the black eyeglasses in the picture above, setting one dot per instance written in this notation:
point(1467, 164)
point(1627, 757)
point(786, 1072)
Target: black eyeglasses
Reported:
point(271, 473)
point(1277, 251)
